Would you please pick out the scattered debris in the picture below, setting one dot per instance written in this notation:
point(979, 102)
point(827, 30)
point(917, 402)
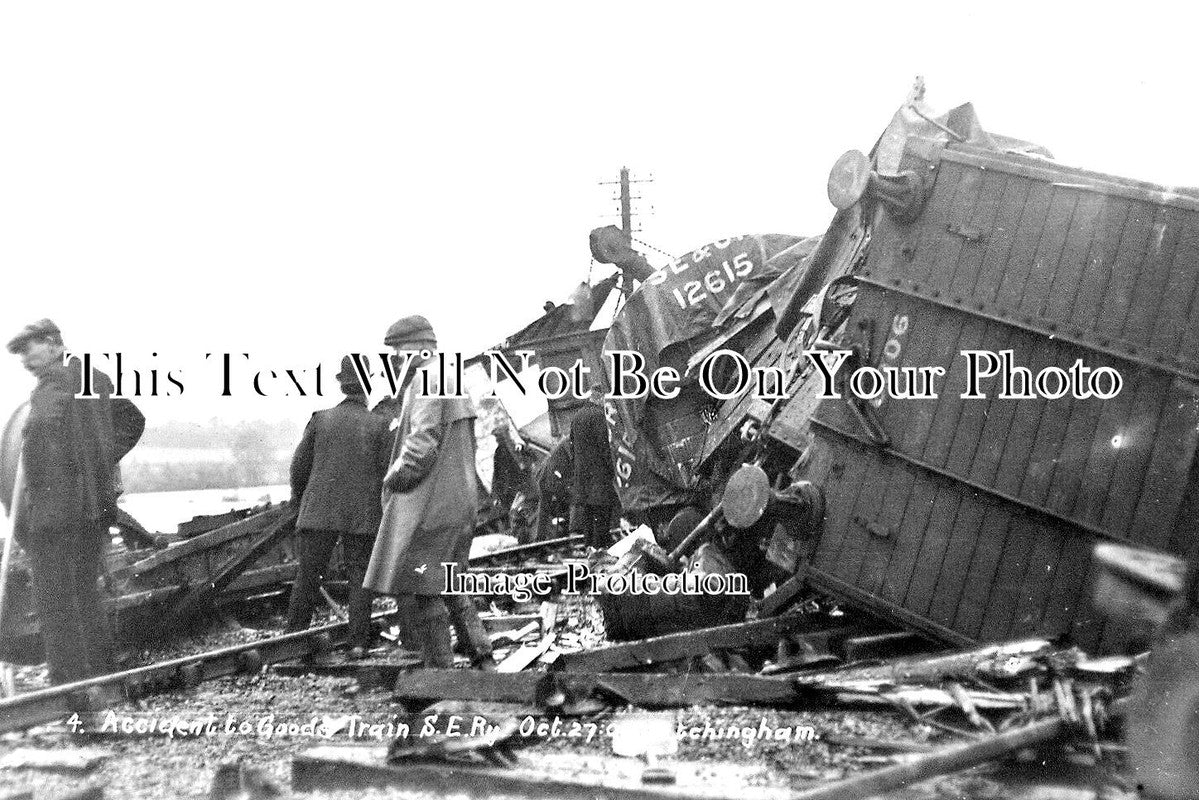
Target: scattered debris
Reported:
point(891, 557)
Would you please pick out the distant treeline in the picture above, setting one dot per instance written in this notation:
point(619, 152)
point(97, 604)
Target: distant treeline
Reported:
point(218, 433)
point(259, 455)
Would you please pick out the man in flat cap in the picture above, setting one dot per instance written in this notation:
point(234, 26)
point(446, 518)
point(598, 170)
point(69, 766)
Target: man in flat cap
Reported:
point(336, 482)
point(70, 449)
point(429, 506)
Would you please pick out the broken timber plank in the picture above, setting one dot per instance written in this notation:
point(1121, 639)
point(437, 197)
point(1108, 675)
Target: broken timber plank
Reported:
point(525, 655)
point(553, 776)
point(648, 690)
point(885, 645)
point(93, 792)
point(784, 593)
point(939, 762)
point(917, 696)
point(199, 597)
point(495, 623)
point(674, 646)
point(246, 527)
point(447, 745)
point(207, 523)
point(510, 635)
point(522, 549)
point(869, 743)
point(1007, 659)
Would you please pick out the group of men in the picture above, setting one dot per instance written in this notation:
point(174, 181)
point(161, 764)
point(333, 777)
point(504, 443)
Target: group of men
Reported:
point(347, 460)
point(426, 475)
point(401, 504)
point(396, 485)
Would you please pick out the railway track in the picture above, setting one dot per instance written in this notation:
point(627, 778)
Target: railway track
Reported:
point(44, 706)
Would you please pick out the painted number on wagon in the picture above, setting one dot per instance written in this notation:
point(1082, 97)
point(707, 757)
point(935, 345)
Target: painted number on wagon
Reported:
point(714, 281)
point(625, 458)
point(893, 348)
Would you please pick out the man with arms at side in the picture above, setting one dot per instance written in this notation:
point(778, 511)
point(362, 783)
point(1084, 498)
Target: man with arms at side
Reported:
point(336, 482)
point(429, 509)
point(555, 482)
point(595, 508)
point(70, 449)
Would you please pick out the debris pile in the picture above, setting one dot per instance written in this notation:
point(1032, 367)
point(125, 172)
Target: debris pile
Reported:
point(852, 730)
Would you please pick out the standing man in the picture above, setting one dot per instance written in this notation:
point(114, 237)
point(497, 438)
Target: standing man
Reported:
point(555, 481)
point(596, 508)
point(336, 481)
point(429, 505)
point(70, 450)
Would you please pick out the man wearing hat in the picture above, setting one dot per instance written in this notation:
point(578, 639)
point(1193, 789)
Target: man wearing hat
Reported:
point(336, 481)
point(429, 505)
point(69, 454)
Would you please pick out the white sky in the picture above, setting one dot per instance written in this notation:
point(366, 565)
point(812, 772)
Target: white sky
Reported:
point(287, 178)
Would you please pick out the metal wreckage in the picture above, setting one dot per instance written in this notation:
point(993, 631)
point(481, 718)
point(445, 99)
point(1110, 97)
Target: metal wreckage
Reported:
point(994, 558)
point(967, 520)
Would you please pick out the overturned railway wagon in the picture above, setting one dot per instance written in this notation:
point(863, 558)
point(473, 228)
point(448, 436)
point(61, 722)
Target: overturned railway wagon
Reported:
point(967, 519)
point(975, 519)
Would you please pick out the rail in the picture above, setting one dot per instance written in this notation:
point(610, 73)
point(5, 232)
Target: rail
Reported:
point(44, 706)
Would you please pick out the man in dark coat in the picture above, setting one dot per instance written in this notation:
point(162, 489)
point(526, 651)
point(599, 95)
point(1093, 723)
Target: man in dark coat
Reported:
point(70, 449)
point(336, 480)
point(429, 504)
point(555, 481)
point(595, 508)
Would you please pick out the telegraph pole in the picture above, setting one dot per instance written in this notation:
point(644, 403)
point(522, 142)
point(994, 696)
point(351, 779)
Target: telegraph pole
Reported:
point(626, 214)
point(626, 205)
point(626, 199)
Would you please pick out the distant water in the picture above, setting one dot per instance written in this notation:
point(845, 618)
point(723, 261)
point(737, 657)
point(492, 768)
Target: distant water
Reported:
point(163, 511)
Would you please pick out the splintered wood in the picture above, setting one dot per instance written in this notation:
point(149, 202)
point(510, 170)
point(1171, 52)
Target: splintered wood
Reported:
point(977, 704)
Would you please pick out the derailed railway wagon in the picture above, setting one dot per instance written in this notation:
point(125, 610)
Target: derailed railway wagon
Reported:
point(974, 519)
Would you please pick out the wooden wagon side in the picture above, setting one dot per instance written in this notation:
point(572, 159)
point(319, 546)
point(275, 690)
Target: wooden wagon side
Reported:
point(976, 520)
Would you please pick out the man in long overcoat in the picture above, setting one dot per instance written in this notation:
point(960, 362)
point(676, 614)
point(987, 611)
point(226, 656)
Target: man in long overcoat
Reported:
point(336, 481)
point(429, 502)
point(70, 449)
